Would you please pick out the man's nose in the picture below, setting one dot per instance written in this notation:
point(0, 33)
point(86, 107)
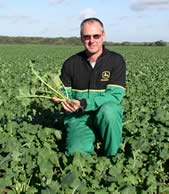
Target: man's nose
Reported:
point(91, 39)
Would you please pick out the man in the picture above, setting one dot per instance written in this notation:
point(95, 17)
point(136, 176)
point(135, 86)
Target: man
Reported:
point(95, 79)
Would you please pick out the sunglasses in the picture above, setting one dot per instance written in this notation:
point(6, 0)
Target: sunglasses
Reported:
point(95, 36)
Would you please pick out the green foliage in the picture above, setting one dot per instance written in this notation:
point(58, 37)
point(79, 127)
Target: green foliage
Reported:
point(40, 40)
point(32, 158)
point(160, 43)
point(50, 85)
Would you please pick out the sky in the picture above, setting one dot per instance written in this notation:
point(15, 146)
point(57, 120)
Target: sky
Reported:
point(124, 20)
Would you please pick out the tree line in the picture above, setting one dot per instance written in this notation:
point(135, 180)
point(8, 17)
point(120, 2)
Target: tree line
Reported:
point(69, 41)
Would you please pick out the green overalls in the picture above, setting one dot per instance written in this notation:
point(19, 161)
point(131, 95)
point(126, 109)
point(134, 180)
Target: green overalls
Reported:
point(103, 89)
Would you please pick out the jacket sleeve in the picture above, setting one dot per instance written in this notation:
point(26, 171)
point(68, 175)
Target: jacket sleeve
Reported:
point(112, 94)
point(115, 89)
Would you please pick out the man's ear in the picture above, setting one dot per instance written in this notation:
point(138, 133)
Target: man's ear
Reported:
point(104, 36)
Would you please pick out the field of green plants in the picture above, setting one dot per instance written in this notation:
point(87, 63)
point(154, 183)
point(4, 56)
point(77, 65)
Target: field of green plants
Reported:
point(32, 159)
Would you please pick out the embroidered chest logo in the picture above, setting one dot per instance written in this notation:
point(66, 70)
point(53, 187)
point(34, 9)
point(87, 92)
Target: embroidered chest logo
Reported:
point(105, 76)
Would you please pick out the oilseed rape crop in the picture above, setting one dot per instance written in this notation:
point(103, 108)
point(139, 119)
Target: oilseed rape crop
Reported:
point(32, 158)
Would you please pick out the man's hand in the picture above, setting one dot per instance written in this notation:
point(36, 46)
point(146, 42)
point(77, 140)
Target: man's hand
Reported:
point(68, 105)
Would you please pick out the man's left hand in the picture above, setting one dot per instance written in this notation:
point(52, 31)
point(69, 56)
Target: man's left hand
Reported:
point(68, 105)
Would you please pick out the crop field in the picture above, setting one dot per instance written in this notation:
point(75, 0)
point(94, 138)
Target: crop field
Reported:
point(32, 159)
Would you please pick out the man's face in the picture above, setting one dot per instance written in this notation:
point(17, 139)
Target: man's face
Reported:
point(92, 36)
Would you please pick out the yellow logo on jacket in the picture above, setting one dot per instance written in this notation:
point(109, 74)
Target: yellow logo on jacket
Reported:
point(105, 76)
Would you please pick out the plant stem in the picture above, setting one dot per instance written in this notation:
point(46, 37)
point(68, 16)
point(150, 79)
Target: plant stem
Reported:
point(56, 92)
point(35, 96)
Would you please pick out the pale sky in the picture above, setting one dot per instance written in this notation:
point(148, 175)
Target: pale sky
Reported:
point(124, 20)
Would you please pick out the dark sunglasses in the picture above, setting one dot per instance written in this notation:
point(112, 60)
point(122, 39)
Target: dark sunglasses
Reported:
point(95, 36)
